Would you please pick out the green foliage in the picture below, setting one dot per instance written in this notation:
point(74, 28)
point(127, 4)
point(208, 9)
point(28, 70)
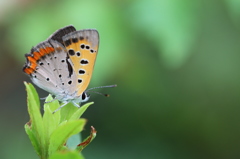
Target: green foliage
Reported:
point(172, 26)
point(49, 132)
point(233, 8)
point(67, 155)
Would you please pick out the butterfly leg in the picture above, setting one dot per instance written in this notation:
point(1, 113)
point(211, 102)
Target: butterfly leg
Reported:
point(64, 103)
point(51, 100)
point(43, 98)
point(76, 105)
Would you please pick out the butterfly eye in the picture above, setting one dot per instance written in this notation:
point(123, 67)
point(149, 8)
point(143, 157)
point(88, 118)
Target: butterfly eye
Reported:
point(85, 97)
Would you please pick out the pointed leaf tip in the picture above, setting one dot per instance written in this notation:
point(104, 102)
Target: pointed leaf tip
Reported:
point(88, 140)
point(77, 114)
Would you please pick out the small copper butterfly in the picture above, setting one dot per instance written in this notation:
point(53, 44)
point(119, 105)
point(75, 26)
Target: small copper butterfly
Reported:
point(63, 64)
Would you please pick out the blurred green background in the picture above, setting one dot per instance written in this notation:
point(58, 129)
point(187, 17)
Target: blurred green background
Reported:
point(176, 63)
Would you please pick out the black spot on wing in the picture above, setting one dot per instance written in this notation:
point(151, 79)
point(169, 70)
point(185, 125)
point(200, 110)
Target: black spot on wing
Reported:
point(82, 46)
point(78, 53)
point(70, 69)
point(81, 71)
point(71, 52)
point(84, 62)
point(79, 80)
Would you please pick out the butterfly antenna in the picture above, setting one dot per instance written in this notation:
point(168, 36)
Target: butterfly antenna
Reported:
point(110, 86)
point(106, 95)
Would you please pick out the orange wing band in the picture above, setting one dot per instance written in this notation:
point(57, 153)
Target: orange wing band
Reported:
point(34, 57)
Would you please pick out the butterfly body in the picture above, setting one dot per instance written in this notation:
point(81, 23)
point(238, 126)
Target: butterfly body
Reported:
point(63, 64)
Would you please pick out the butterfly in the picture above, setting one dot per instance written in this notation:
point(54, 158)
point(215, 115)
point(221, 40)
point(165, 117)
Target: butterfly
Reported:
point(63, 64)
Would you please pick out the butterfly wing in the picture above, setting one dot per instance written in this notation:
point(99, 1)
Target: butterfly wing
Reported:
point(48, 64)
point(63, 64)
point(82, 48)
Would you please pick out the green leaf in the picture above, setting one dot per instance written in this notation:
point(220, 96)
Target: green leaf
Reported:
point(48, 134)
point(67, 111)
point(32, 138)
point(88, 140)
point(59, 136)
point(32, 91)
point(52, 103)
point(50, 120)
point(66, 155)
point(77, 114)
point(36, 118)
